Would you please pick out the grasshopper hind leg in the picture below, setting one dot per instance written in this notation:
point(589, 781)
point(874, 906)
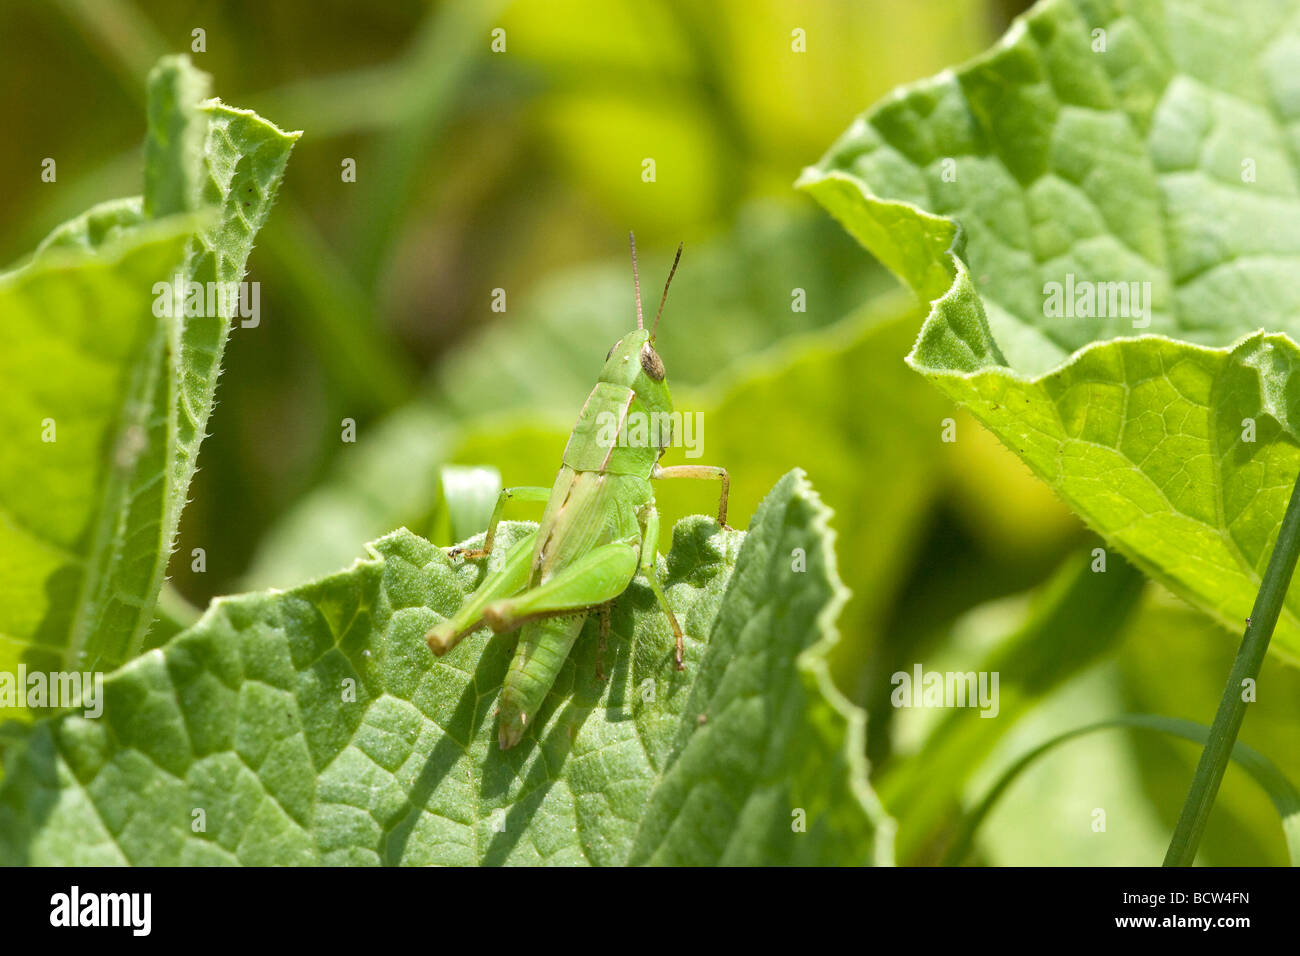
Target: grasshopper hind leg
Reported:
point(544, 646)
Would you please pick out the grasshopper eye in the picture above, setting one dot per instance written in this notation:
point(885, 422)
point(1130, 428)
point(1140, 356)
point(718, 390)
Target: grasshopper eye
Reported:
point(652, 363)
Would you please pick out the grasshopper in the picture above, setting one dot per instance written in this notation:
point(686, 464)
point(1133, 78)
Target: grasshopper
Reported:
point(599, 530)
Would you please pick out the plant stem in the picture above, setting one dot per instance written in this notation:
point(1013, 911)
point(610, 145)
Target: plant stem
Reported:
point(1232, 708)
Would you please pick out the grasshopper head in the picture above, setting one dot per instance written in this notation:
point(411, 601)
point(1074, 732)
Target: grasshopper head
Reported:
point(633, 361)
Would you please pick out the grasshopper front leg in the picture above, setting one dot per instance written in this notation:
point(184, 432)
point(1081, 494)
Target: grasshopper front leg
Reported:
point(520, 493)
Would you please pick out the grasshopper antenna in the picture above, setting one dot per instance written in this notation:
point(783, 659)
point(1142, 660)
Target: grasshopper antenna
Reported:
point(671, 273)
point(631, 238)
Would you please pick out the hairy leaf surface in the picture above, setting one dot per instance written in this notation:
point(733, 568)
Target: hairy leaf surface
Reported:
point(89, 517)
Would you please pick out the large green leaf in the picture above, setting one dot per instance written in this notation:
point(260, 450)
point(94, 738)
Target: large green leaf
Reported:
point(1115, 142)
point(91, 516)
point(748, 756)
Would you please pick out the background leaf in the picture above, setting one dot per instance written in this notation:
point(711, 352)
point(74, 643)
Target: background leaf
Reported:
point(1076, 619)
point(1280, 791)
point(1173, 663)
point(1052, 156)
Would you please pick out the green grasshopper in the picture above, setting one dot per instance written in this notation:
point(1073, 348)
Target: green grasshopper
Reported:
point(598, 531)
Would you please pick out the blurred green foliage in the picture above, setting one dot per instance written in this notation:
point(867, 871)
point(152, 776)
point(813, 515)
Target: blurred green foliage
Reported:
point(475, 171)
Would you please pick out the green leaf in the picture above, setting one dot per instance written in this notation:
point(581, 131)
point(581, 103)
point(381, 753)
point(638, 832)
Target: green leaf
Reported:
point(469, 494)
point(1138, 142)
point(872, 443)
point(91, 517)
point(248, 717)
point(239, 169)
point(1097, 771)
point(96, 226)
point(75, 333)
